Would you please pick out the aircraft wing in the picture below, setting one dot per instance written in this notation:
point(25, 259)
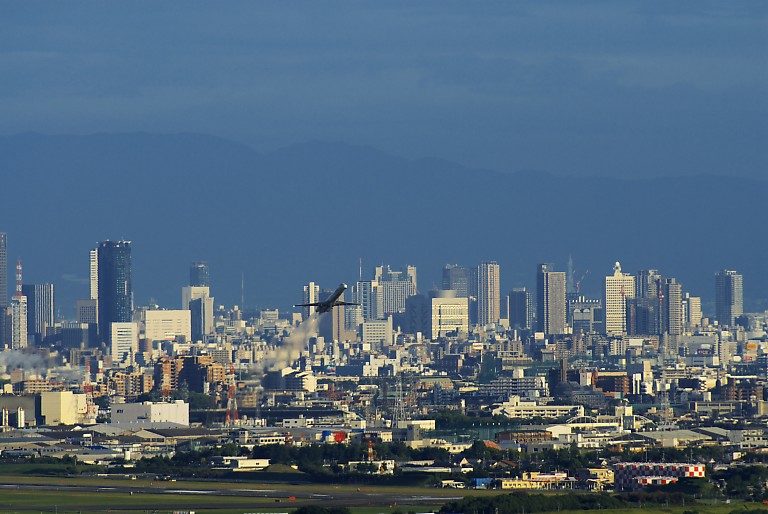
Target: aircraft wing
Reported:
point(307, 305)
point(346, 303)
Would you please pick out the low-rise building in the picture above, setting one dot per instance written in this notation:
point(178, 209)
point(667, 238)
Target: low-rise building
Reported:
point(518, 408)
point(151, 412)
point(634, 475)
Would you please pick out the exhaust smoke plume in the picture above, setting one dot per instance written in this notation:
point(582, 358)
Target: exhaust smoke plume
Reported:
point(293, 345)
point(16, 359)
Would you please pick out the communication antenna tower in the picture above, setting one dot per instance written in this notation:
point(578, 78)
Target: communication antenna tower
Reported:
point(232, 417)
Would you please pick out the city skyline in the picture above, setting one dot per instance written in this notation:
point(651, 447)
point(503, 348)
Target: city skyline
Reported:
point(180, 166)
point(480, 281)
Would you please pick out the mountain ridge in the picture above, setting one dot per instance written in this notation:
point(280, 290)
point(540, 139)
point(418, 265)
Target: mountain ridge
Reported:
point(309, 211)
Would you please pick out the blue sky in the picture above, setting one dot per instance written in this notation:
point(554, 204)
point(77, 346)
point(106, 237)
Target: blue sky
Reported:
point(626, 89)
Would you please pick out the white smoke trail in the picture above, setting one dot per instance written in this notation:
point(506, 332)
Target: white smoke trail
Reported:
point(292, 346)
point(16, 359)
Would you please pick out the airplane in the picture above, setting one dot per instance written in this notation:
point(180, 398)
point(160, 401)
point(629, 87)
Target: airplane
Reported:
point(330, 303)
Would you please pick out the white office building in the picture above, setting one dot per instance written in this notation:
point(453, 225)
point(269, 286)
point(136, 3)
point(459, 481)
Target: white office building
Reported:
point(311, 295)
point(378, 331)
point(488, 294)
point(151, 412)
point(167, 325)
point(618, 288)
point(449, 314)
point(125, 343)
point(94, 274)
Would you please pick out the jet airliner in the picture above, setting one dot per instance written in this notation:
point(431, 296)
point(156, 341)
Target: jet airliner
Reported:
point(330, 303)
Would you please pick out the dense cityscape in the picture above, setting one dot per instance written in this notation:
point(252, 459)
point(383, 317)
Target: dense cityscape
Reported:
point(462, 386)
point(383, 257)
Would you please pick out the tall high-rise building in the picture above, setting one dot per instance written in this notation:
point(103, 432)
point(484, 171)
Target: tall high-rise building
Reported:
point(199, 301)
point(550, 300)
point(3, 270)
point(5, 319)
point(201, 317)
point(40, 310)
point(488, 294)
point(643, 316)
point(456, 278)
point(671, 315)
point(520, 309)
point(395, 287)
point(692, 311)
point(311, 295)
point(19, 322)
point(647, 283)
point(671, 307)
point(19, 313)
point(115, 302)
point(367, 294)
point(93, 261)
point(729, 296)
point(619, 287)
point(198, 274)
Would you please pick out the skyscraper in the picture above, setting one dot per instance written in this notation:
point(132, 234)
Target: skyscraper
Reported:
point(520, 309)
point(367, 294)
point(395, 287)
point(619, 287)
point(311, 295)
point(18, 314)
point(550, 300)
point(672, 307)
point(488, 294)
point(40, 310)
point(115, 292)
point(3, 270)
point(198, 274)
point(729, 296)
point(692, 311)
point(647, 283)
point(4, 318)
point(456, 278)
point(93, 260)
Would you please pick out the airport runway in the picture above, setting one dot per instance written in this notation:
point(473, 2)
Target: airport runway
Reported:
point(283, 496)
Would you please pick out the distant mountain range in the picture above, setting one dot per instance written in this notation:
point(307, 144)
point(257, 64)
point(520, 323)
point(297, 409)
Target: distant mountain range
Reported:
point(310, 211)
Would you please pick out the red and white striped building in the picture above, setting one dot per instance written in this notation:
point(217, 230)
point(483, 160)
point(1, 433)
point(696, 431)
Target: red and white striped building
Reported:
point(634, 475)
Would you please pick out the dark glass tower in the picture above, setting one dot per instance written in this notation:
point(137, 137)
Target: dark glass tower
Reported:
point(456, 277)
point(198, 274)
point(729, 296)
point(520, 309)
point(115, 292)
point(3, 270)
point(5, 325)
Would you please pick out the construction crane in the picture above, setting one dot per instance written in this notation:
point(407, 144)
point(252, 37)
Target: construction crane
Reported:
point(577, 283)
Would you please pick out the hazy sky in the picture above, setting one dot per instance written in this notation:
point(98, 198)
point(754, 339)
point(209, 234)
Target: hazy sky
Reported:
point(571, 87)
